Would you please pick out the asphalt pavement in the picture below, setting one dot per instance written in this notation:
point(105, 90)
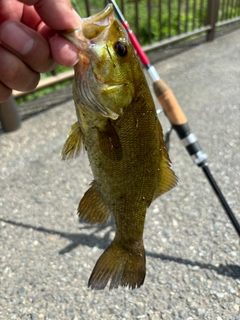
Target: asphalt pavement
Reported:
point(192, 250)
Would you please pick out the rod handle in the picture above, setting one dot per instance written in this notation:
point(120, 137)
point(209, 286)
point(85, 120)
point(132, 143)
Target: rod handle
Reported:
point(169, 103)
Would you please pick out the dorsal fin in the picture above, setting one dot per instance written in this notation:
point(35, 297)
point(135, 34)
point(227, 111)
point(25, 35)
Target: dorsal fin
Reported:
point(166, 177)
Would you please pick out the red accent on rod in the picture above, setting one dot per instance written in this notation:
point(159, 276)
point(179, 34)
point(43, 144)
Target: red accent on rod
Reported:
point(143, 57)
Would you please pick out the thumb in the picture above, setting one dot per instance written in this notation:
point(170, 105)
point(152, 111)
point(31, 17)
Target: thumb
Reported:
point(58, 15)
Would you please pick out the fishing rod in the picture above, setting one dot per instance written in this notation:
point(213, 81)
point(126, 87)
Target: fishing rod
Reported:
point(177, 118)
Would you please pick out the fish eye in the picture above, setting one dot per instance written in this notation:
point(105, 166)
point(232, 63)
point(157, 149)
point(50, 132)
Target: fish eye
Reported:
point(121, 49)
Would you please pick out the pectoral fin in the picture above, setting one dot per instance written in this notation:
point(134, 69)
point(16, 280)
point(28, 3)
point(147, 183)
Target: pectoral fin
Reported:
point(166, 177)
point(92, 207)
point(74, 143)
point(109, 142)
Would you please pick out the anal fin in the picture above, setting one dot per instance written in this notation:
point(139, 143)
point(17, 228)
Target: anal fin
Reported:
point(74, 143)
point(92, 207)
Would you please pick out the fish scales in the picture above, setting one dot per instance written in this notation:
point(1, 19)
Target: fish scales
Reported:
point(118, 125)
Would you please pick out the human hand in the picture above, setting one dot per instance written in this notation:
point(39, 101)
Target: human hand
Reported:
point(29, 42)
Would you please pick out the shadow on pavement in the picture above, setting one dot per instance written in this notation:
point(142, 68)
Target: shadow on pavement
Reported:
point(91, 240)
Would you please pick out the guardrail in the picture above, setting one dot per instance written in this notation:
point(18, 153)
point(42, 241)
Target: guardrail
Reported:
point(163, 21)
point(156, 23)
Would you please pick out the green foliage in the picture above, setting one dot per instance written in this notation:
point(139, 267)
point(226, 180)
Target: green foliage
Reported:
point(39, 93)
point(150, 19)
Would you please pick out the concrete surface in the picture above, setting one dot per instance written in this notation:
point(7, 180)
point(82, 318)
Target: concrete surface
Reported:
point(193, 259)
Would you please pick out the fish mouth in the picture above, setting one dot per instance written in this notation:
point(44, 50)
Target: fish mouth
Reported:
point(87, 34)
point(106, 85)
point(89, 95)
point(86, 37)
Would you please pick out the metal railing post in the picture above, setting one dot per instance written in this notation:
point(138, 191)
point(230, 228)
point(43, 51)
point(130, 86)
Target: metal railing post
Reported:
point(9, 115)
point(212, 17)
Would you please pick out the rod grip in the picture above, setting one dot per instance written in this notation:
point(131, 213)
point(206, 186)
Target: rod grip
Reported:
point(169, 103)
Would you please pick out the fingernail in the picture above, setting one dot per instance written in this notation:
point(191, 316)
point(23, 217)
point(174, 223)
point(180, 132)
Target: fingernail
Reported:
point(16, 38)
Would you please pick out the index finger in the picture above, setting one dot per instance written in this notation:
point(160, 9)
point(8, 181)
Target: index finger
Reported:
point(58, 15)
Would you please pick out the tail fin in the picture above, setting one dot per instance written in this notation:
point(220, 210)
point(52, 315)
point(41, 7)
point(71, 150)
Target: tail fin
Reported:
point(123, 265)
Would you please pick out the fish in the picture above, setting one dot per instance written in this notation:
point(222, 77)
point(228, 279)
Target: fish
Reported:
point(118, 127)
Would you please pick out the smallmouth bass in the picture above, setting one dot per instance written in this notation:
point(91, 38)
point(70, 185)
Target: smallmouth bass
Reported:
point(118, 125)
